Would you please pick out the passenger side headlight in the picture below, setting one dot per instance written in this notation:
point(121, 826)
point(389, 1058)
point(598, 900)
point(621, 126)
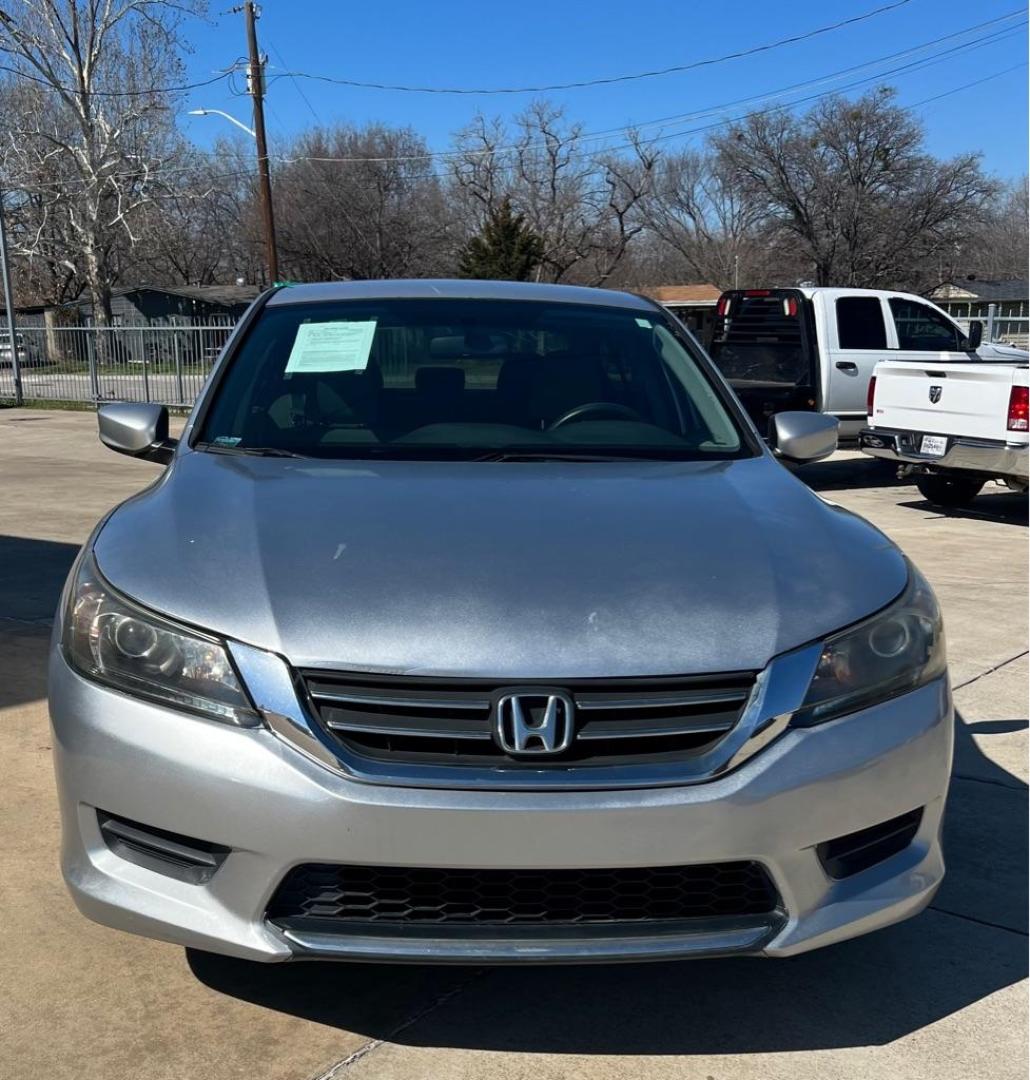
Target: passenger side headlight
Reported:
point(891, 653)
point(111, 640)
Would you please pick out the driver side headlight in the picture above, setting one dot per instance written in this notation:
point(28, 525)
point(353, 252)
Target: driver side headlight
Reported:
point(895, 651)
point(111, 640)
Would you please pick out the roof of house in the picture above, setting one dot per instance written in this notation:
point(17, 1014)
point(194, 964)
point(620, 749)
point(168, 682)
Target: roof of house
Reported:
point(22, 309)
point(683, 294)
point(210, 294)
point(224, 295)
point(978, 289)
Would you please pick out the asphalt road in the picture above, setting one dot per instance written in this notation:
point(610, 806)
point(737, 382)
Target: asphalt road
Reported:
point(938, 997)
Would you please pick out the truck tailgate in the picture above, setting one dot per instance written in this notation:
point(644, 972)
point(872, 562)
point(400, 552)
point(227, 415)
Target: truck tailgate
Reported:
point(950, 399)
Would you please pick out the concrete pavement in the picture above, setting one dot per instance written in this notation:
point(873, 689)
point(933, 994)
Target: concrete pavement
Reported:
point(938, 997)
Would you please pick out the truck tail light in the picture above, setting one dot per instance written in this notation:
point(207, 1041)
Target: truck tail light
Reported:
point(870, 396)
point(723, 307)
point(1019, 409)
point(790, 306)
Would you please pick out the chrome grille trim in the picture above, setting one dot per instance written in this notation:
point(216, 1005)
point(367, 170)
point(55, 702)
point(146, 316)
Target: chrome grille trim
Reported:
point(288, 713)
point(452, 722)
point(700, 697)
point(409, 729)
point(401, 703)
point(480, 728)
point(594, 731)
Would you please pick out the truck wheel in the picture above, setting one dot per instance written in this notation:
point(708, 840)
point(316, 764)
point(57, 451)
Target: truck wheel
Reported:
point(949, 490)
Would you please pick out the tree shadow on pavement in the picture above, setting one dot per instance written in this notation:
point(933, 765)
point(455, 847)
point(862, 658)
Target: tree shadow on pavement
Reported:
point(968, 945)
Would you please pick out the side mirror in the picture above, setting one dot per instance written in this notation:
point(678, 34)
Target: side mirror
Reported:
point(803, 436)
point(136, 428)
point(974, 335)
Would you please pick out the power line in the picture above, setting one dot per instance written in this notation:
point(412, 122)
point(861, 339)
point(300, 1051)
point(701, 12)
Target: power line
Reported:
point(935, 58)
point(297, 86)
point(966, 86)
point(975, 43)
point(46, 84)
point(606, 81)
point(801, 101)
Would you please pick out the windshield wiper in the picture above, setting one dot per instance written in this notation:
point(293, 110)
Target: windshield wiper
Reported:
point(252, 451)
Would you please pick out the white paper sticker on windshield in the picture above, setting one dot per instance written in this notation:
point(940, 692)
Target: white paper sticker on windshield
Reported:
point(331, 346)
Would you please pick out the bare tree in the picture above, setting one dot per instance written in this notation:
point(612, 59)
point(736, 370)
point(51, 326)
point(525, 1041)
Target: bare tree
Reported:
point(850, 183)
point(360, 203)
point(204, 228)
point(104, 67)
point(699, 210)
point(32, 188)
point(580, 203)
point(998, 248)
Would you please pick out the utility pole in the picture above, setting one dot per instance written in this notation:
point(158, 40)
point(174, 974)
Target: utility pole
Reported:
point(5, 273)
point(256, 86)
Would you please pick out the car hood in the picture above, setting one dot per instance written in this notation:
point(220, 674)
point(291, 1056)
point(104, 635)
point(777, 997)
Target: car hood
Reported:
point(504, 569)
point(999, 353)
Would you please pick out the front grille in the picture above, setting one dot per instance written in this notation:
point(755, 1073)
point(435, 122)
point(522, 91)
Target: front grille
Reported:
point(436, 721)
point(392, 895)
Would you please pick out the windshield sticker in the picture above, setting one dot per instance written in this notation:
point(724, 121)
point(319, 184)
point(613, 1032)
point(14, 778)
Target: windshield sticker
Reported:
point(227, 440)
point(644, 323)
point(331, 346)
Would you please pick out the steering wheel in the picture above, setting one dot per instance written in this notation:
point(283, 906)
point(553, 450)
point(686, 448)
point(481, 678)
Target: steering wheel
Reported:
point(590, 408)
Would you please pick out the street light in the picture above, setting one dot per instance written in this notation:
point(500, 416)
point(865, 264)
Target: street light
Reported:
point(231, 119)
point(257, 133)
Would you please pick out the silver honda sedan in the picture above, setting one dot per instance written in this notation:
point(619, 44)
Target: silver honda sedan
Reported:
point(473, 622)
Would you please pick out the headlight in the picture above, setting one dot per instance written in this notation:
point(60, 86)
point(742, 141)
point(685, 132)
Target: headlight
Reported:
point(897, 650)
point(110, 639)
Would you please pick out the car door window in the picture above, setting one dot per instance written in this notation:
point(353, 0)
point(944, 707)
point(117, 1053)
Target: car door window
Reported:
point(922, 329)
point(860, 323)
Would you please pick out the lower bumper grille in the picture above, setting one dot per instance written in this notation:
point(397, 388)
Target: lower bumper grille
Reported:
point(847, 855)
point(385, 896)
point(182, 857)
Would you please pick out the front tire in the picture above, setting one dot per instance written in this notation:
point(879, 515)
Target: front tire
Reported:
point(950, 491)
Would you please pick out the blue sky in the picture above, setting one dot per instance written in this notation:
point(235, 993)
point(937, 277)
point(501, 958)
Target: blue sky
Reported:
point(476, 44)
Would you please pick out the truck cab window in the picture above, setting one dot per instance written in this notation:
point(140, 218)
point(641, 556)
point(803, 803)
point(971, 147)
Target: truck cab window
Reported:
point(860, 323)
point(922, 329)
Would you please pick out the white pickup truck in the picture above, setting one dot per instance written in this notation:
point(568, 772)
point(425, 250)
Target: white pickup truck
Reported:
point(816, 348)
point(952, 426)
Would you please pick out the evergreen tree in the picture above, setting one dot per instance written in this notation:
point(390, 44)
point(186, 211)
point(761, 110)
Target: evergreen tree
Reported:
point(506, 248)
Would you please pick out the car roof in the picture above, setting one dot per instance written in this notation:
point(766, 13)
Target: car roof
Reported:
point(456, 289)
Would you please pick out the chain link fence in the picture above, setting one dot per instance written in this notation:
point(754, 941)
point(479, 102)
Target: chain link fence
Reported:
point(167, 364)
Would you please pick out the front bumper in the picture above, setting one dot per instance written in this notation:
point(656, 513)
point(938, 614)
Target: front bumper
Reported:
point(986, 457)
point(275, 808)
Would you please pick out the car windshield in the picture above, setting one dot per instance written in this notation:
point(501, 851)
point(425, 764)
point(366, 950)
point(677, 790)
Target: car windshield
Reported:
point(466, 378)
